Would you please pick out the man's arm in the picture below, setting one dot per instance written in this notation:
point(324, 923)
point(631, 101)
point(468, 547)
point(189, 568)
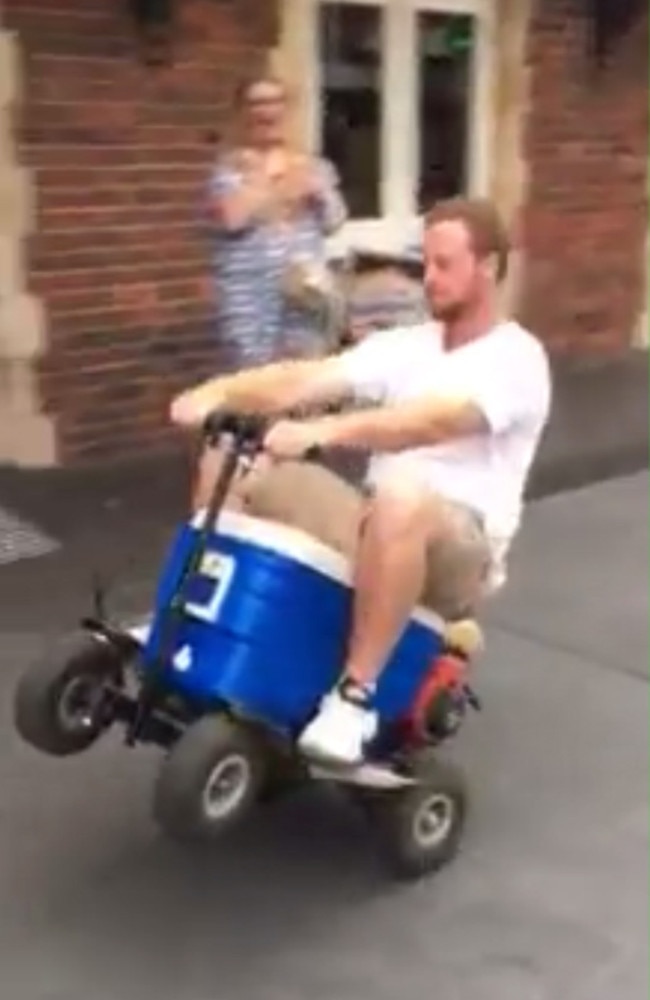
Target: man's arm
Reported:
point(266, 390)
point(512, 394)
point(428, 421)
point(416, 424)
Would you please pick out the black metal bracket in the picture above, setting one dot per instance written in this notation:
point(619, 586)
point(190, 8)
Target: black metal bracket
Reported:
point(151, 13)
point(173, 614)
point(153, 21)
point(610, 21)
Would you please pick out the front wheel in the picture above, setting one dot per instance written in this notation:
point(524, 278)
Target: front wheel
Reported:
point(59, 704)
point(210, 779)
point(420, 828)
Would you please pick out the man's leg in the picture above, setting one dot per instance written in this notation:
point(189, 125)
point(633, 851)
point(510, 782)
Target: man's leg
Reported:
point(413, 545)
point(410, 546)
point(389, 576)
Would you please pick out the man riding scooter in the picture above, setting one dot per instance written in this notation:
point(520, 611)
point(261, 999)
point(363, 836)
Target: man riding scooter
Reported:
point(457, 408)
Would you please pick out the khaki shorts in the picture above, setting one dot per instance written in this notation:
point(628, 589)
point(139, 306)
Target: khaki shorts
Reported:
point(317, 501)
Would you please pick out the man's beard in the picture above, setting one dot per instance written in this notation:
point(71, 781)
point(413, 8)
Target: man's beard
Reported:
point(449, 312)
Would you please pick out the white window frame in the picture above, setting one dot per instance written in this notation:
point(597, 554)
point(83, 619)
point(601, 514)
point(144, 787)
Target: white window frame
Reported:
point(399, 139)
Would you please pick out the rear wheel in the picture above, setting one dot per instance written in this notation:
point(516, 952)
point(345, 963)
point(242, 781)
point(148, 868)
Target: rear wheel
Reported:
point(420, 827)
point(60, 703)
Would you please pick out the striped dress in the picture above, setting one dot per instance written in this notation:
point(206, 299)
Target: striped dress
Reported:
point(255, 325)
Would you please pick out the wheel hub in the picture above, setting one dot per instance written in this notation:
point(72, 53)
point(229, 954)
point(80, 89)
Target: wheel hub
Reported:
point(77, 704)
point(433, 821)
point(226, 786)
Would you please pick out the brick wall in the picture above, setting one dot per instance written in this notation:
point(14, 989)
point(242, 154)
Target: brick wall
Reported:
point(585, 224)
point(120, 153)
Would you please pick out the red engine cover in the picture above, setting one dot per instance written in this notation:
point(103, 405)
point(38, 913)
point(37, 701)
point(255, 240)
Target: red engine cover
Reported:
point(447, 673)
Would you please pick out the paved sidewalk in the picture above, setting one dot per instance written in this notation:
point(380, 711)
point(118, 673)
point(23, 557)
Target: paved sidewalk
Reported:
point(547, 901)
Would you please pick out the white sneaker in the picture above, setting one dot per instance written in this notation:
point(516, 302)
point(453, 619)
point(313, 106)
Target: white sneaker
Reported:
point(340, 731)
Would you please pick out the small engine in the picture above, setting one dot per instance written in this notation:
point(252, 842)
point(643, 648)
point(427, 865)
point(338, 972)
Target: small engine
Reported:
point(444, 714)
point(441, 704)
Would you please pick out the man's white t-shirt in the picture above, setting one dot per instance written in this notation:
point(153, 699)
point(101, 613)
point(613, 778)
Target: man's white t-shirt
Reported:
point(505, 372)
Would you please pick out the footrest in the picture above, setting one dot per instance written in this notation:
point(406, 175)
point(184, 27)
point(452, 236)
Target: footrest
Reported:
point(367, 775)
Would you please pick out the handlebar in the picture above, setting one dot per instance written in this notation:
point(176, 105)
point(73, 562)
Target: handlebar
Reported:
point(247, 429)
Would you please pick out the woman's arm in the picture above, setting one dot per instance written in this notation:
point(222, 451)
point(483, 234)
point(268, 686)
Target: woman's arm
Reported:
point(238, 197)
point(328, 198)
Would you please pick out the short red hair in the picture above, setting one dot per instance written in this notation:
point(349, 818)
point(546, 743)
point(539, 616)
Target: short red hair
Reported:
point(483, 222)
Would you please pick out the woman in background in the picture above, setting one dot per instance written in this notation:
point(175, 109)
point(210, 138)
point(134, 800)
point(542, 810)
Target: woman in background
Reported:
point(271, 207)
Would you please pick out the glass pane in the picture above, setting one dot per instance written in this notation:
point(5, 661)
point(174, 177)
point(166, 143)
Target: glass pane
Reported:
point(444, 51)
point(350, 52)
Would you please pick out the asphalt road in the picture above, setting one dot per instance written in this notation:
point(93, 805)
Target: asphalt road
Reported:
point(548, 899)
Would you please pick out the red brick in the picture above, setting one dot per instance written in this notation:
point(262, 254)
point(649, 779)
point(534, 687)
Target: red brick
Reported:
point(197, 290)
point(73, 155)
point(86, 196)
point(68, 8)
point(136, 296)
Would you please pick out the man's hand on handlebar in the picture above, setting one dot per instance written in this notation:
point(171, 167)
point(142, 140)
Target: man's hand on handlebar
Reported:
point(293, 439)
point(283, 439)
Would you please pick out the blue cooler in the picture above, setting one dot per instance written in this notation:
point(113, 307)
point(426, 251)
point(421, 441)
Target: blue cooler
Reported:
point(266, 624)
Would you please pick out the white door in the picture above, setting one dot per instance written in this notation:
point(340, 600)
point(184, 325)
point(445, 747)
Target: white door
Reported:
point(399, 95)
